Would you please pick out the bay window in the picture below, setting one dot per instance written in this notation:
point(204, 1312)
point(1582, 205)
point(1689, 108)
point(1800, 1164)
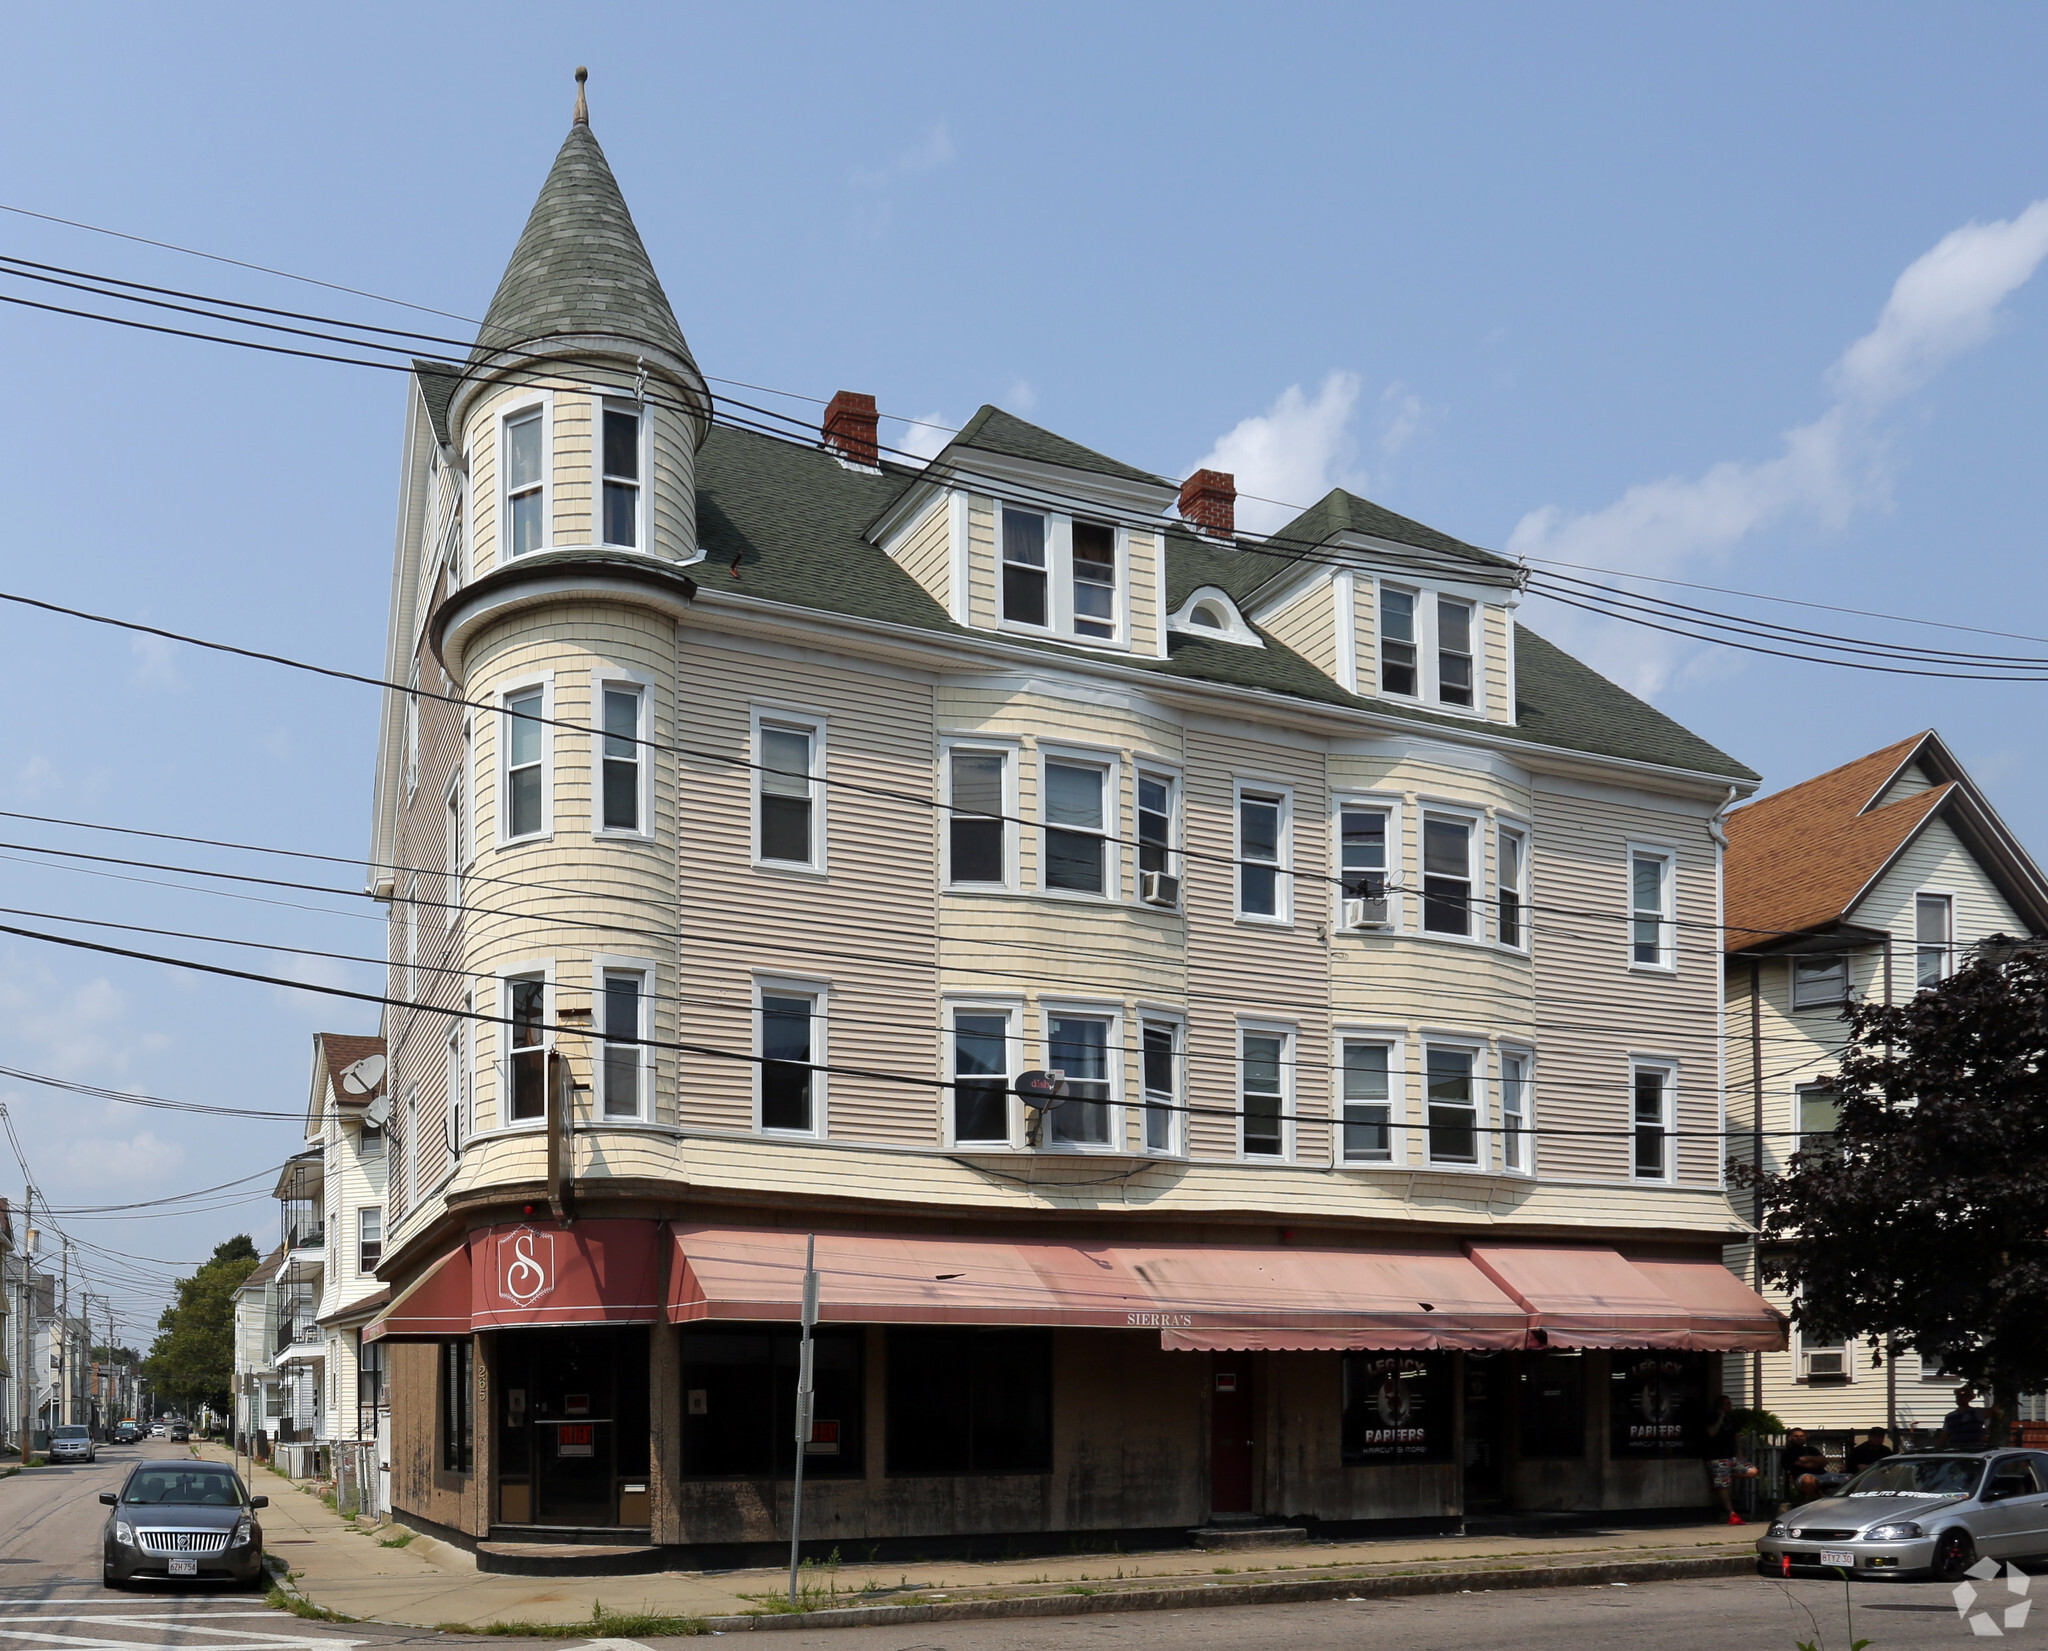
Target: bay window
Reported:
point(525, 744)
point(1079, 1045)
point(1511, 887)
point(1161, 1069)
point(620, 476)
point(1076, 827)
point(1517, 1103)
point(1368, 1102)
point(625, 1065)
point(621, 806)
point(526, 1069)
point(980, 1041)
point(1363, 835)
point(526, 489)
point(1453, 1106)
point(977, 835)
point(1446, 875)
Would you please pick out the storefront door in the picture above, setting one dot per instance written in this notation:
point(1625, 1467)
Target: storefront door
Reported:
point(572, 1426)
point(1230, 1434)
point(1486, 1412)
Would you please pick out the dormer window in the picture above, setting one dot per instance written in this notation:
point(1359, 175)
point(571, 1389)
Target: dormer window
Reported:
point(621, 476)
point(1453, 651)
point(1060, 576)
point(1209, 616)
point(1397, 642)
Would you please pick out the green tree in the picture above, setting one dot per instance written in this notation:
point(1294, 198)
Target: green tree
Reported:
point(192, 1361)
point(1924, 1219)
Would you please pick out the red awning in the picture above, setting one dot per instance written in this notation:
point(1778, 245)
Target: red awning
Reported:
point(1196, 1295)
point(1727, 1316)
point(1589, 1295)
point(532, 1273)
point(434, 1305)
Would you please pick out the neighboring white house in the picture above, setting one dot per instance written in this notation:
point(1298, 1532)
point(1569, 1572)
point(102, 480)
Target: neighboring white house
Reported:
point(259, 1390)
point(344, 1110)
point(1863, 884)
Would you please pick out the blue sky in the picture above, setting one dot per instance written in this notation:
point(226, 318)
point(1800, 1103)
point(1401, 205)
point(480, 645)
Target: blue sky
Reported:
point(1560, 279)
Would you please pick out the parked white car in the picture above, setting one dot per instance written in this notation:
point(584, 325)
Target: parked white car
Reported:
point(1920, 1515)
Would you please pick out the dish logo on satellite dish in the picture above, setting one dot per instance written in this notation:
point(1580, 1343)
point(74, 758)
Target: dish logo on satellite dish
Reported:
point(526, 1266)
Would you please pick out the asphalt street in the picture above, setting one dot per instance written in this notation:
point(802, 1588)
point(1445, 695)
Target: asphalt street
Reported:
point(1736, 1613)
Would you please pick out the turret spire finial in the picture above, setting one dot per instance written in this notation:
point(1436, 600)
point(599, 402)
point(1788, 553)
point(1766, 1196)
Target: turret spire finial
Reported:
point(582, 107)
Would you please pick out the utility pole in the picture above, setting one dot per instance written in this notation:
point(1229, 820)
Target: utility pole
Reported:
point(805, 1403)
point(27, 1257)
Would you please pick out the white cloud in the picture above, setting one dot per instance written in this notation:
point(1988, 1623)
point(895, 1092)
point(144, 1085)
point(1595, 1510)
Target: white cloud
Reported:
point(1294, 452)
point(102, 1161)
point(873, 186)
point(72, 1033)
point(923, 436)
point(156, 663)
point(1944, 304)
point(37, 779)
point(1402, 413)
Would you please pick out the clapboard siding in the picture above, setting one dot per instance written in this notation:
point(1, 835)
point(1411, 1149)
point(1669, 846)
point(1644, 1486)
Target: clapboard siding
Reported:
point(1308, 625)
point(925, 550)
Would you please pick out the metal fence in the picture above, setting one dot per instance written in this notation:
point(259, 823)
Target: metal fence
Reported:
point(355, 1477)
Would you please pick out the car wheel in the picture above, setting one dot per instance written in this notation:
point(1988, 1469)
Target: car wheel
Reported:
point(1954, 1554)
point(109, 1580)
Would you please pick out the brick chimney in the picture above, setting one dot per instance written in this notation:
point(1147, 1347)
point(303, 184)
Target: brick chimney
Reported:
point(850, 428)
point(1208, 499)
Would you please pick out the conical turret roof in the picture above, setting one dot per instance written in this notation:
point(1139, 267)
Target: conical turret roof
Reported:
point(580, 266)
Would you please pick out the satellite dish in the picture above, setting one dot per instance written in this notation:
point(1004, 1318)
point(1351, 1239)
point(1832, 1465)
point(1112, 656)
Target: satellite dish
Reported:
point(362, 1077)
point(1039, 1090)
point(378, 1112)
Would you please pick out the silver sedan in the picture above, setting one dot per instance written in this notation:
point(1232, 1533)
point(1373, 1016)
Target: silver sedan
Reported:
point(1921, 1515)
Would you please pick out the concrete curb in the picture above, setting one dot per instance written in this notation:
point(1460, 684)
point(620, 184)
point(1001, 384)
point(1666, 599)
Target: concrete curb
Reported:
point(1255, 1593)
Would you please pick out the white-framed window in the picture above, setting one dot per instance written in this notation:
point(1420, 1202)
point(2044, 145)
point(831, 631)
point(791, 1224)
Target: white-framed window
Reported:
point(412, 729)
point(1076, 800)
point(1454, 677)
point(1651, 930)
point(455, 1083)
point(789, 824)
point(1265, 1086)
point(621, 803)
point(1263, 833)
point(1158, 836)
point(454, 826)
point(1084, 1044)
point(369, 1238)
point(1368, 847)
point(525, 763)
point(412, 936)
point(412, 1146)
point(1826, 1361)
point(980, 1040)
point(1454, 1104)
point(790, 1033)
point(1448, 845)
point(1819, 979)
point(621, 450)
point(1511, 886)
point(1369, 1085)
point(1652, 1105)
point(625, 1068)
point(980, 792)
point(1400, 668)
point(1933, 938)
point(1160, 1072)
point(1061, 575)
point(526, 1000)
point(1932, 1370)
point(1429, 647)
point(525, 480)
point(1820, 1115)
point(369, 1142)
point(1517, 1111)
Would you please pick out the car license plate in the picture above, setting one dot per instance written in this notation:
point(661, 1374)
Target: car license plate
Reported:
point(1837, 1556)
point(184, 1567)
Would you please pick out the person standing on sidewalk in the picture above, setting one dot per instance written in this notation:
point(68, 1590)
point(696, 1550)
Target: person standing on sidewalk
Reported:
point(1963, 1427)
point(1721, 1449)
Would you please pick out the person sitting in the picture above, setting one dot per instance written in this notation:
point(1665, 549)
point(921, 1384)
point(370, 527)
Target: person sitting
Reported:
point(1806, 1469)
point(1874, 1449)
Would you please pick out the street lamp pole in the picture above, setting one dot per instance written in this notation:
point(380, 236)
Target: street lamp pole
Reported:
point(805, 1405)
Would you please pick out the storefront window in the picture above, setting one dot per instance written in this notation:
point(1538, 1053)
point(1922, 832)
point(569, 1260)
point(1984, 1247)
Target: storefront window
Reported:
point(1553, 1396)
point(739, 1403)
point(458, 1432)
point(1397, 1407)
point(970, 1401)
point(1655, 1402)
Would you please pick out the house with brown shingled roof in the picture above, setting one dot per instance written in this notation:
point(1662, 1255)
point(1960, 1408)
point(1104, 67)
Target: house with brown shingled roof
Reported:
point(1862, 884)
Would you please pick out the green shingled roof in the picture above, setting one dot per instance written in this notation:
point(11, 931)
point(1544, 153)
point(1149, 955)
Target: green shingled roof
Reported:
point(992, 430)
point(579, 266)
point(1341, 512)
point(786, 523)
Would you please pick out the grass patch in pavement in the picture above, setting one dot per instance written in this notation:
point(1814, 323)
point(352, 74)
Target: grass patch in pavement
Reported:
point(603, 1625)
point(278, 1600)
point(400, 1540)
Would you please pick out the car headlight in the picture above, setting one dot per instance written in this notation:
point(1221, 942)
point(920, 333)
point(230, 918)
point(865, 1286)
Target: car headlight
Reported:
point(243, 1531)
point(124, 1533)
point(1781, 1530)
point(1905, 1531)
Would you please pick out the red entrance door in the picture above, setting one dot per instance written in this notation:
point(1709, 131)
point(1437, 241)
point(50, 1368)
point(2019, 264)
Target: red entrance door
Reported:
point(1230, 1435)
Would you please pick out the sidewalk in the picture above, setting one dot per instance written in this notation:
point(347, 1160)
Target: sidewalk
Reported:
point(431, 1584)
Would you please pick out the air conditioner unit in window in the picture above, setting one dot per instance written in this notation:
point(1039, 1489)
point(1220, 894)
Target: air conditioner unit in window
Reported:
point(1824, 1364)
point(1158, 888)
point(1366, 912)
